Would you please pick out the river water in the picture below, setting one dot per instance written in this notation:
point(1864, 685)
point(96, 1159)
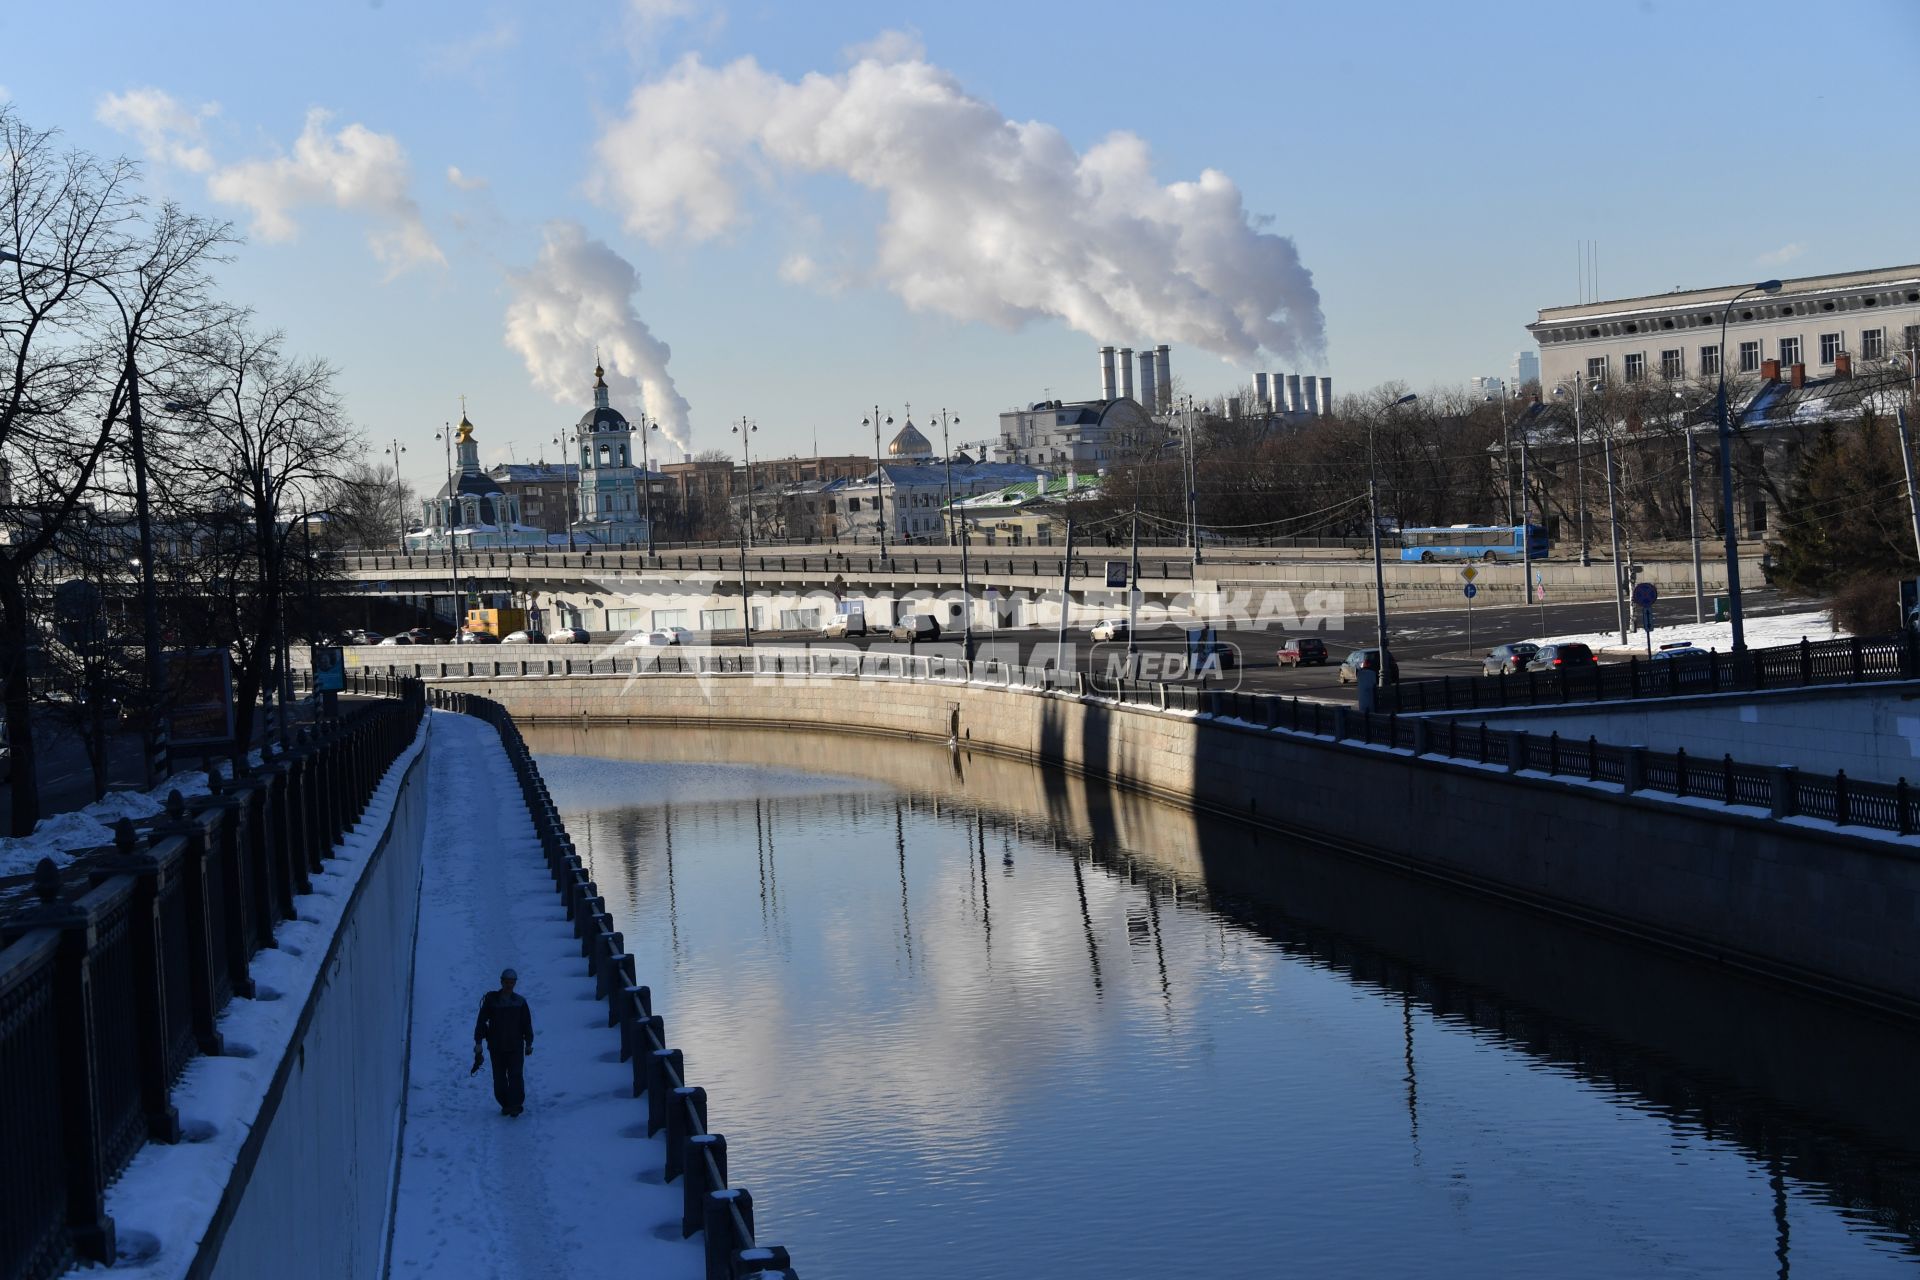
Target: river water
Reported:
point(962, 1017)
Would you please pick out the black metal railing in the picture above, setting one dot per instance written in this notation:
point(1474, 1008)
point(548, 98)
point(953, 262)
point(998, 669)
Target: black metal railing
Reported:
point(115, 967)
point(695, 1156)
point(1824, 662)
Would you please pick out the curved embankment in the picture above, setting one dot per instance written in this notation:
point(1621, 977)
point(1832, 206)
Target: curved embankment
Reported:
point(1828, 908)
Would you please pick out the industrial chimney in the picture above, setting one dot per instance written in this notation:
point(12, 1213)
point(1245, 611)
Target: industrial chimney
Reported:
point(1126, 372)
point(1163, 377)
point(1326, 395)
point(1294, 403)
point(1108, 387)
point(1147, 394)
point(1261, 396)
point(1311, 385)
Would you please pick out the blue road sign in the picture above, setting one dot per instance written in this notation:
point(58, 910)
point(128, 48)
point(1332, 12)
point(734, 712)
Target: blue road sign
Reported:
point(1644, 594)
point(1469, 591)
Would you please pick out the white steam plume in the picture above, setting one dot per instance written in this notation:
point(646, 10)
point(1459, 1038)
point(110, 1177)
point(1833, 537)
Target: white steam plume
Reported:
point(578, 296)
point(986, 218)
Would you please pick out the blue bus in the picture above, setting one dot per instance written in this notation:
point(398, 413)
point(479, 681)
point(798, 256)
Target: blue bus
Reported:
point(1487, 542)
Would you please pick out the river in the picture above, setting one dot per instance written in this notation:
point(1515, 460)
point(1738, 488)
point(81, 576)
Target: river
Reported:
point(962, 1017)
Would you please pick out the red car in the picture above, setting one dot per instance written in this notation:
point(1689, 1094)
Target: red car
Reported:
point(1306, 651)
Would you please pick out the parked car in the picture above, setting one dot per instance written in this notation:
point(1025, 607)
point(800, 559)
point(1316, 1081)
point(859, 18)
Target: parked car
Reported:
point(1685, 664)
point(524, 637)
point(1111, 629)
point(476, 637)
point(845, 624)
point(1302, 651)
point(1370, 659)
point(420, 635)
point(569, 635)
point(361, 636)
point(1560, 657)
point(656, 639)
point(403, 638)
point(1504, 659)
point(917, 626)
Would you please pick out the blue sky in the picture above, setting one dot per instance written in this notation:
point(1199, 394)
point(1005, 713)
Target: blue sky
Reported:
point(1434, 166)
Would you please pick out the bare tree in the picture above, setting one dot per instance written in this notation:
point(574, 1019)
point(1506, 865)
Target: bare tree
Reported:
point(94, 285)
point(260, 451)
point(371, 505)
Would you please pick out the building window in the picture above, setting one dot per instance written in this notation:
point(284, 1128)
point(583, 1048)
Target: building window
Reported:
point(1911, 339)
point(1597, 369)
point(798, 619)
point(1757, 516)
point(1829, 347)
point(1710, 362)
point(1636, 366)
point(1673, 364)
point(1749, 357)
point(717, 620)
point(853, 504)
point(1789, 352)
point(664, 618)
point(1873, 343)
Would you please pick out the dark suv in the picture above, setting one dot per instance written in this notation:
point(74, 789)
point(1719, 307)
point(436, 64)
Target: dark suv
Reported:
point(1559, 657)
point(1304, 651)
point(1503, 659)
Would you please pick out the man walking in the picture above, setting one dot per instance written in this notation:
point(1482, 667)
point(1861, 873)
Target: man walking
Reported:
point(506, 1024)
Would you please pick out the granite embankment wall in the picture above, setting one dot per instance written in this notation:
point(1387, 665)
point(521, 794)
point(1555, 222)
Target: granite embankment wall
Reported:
point(1831, 908)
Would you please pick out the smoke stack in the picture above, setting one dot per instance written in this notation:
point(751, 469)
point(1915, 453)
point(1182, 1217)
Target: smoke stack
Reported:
point(1843, 365)
point(1163, 377)
point(1770, 371)
point(1126, 372)
point(1326, 395)
point(1311, 385)
point(1108, 388)
point(1294, 403)
point(1799, 375)
point(1261, 396)
point(1147, 396)
point(1233, 406)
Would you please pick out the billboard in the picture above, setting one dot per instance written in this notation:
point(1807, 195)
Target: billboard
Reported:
point(200, 692)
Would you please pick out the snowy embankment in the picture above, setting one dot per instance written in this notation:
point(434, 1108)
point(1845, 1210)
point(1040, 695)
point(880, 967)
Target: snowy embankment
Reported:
point(63, 835)
point(164, 1203)
point(1762, 633)
point(571, 1187)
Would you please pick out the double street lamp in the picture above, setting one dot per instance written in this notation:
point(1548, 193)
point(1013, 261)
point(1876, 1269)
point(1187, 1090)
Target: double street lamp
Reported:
point(1731, 537)
point(394, 451)
point(879, 483)
point(1379, 574)
point(745, 430)
point(1580, 466)
point(966, 588)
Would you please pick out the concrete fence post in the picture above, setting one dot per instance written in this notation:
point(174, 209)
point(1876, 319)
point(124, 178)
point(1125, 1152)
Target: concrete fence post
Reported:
point(1339, 724)
point(1420, 730)
point(1634, 768)
point(1786, 791)
point(1516, 750)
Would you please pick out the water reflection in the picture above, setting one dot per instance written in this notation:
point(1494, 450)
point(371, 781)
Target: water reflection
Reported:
point(1147, 1044)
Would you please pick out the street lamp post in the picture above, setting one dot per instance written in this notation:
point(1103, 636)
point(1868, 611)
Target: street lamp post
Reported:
point(1379, 573)
point(1506, 452)
point(394, 451)
point(1693, 516)
point(1579, 468)
point(445, 437)
point(745, 429)
point(966, 586)
point(568, 489)
point(646, 474)
point(1729, 534)
point(879, 482)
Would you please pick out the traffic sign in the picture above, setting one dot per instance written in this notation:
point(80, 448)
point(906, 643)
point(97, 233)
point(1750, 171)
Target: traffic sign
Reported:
point(1468, 573)
point(1469, 591)
point(1646, 617)
point(1644, 594)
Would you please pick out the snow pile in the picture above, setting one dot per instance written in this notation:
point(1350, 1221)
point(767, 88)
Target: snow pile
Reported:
point(63, 835)
point(1762, 633)
point(164, 1202)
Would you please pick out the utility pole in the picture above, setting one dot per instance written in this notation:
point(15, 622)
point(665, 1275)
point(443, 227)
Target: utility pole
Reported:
point(1066, 598)
point(1693, 520)
point(1133, 591)
point(646, 474)
point(879, 484)
point(1379, 574)
point(399, 492)
point(453, 541)
point(966, 587)
point(1906, 460)
point(1613, 527)
point(746, 596)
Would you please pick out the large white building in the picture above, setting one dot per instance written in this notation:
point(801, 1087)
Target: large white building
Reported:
point(1675, 336)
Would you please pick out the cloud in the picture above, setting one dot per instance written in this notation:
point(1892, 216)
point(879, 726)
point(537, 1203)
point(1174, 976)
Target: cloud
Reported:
point(581, 294)
point(167, 131)
point(986, 218)
point(1784, 254)
point(462, 181)
point(353, 169)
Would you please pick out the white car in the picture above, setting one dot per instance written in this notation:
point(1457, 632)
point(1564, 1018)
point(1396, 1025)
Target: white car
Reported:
point(653, 638)
point(1110, 629)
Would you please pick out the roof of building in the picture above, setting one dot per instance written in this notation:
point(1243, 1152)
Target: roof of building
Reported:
point(907, 475)
point(1030, 492)
point(524, 472)
point(1718, 295)
point(909, 443)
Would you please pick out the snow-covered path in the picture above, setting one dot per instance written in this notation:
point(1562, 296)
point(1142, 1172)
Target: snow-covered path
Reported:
point(573, 1186)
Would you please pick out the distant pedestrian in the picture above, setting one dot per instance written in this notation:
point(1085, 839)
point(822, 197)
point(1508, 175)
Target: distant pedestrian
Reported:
point(506, 1025)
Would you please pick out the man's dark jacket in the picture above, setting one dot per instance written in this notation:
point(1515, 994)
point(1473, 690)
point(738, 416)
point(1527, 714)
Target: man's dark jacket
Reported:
point(505, 1023)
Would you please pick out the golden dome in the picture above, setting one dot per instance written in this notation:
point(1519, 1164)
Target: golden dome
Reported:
point(464, 432)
